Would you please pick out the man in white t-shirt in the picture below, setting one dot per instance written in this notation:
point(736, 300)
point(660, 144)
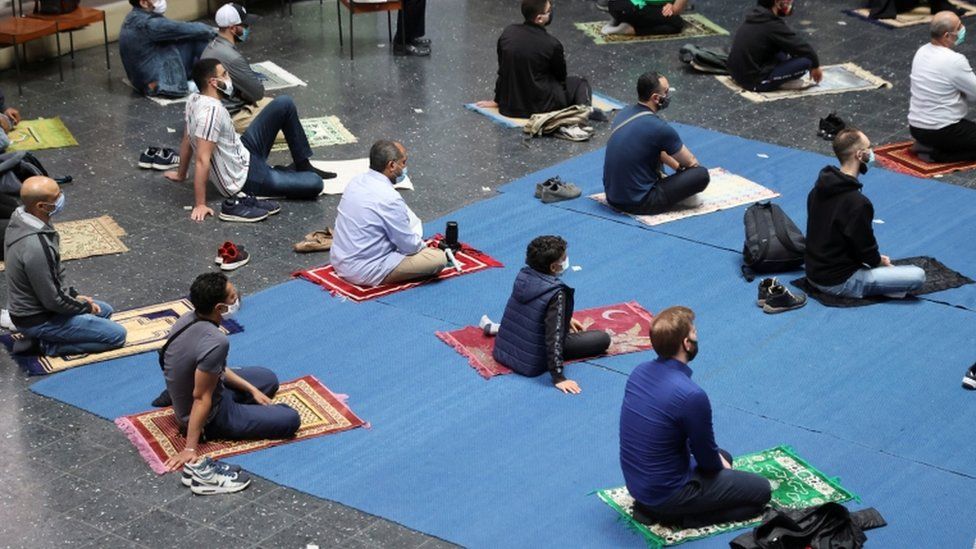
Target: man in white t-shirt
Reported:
point(942, 83)
point(238, 165)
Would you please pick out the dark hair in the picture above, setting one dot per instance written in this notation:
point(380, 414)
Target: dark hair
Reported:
point(204, 70)
point(533, 8)
point(543, 251)
point(845, 142)
point(648, 84)
point(134, 3)
point(382, 153)
point(669, 330)
point(208, 291)
point(768, 4)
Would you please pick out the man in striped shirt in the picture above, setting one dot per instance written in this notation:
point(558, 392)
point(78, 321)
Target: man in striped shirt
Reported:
point(238, 165)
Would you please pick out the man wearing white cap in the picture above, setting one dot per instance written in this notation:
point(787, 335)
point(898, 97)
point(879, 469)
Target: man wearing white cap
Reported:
point(248, 97)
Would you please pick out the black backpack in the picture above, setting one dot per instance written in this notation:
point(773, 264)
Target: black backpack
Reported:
point(773, 242)
point(55, 7)
point(17, 166)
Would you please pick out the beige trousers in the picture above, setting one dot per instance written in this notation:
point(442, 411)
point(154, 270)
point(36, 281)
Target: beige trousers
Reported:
point(423, 264)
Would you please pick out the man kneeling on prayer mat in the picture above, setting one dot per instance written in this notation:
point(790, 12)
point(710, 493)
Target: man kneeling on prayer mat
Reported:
point(377, 238)
point(538, 332)
point(209, 399)
point(675, 472)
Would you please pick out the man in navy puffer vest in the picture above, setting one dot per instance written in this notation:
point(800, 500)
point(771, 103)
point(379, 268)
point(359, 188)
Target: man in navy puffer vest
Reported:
point(537, 331)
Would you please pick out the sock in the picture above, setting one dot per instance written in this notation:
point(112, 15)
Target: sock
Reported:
point(490, 328)
point(306, 166)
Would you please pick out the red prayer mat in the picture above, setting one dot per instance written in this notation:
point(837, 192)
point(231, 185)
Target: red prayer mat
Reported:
point(900, 158)
point(156, 433)
point(471, 261)
point(629, 326)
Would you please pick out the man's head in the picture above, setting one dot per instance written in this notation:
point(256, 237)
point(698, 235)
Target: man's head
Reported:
point(947, 29)
point(41, 196)
point(537, 12)
point(389, 158)
point(234, 22)
point(210, 76)
point(546, 254)
point(654, 90)
point(781, 8)
point(157, 6)
point(212, 292)
point(673, 334)
point(851, 144)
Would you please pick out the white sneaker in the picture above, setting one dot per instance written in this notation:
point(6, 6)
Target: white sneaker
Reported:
point(572, 133)
point(208, 478)
point(490, 328)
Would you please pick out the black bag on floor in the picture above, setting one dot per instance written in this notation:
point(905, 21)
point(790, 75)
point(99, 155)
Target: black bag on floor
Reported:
point(773, 243)
point(55, 7)
point(704, 59)
point(15, 167)
point(828, 526)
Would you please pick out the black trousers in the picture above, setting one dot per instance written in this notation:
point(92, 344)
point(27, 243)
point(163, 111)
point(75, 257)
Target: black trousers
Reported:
point(411, 20)
point(646, 20)
point(669, 191)
point(725, 496)
point(578, 91)
point(953, 143)
point(585, 344)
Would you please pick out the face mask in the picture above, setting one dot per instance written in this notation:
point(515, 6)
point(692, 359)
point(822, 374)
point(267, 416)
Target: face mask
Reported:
point(961, 36)
point(228, 88)
point(564, 266)
point(863, 167)
point(58, 205)
point(694, 351)
point(549, 21)
point(159, 6)
point(233, 307)
point(244, 35)
point(663, 102)
point(401, 177)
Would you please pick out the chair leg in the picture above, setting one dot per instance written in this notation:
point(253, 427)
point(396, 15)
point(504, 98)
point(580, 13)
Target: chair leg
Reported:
point(352, 40)
point(339, 19)
point(389, 26)
point(71, 40)
point(403, 35)
point(57, 37)
point(20, 80)
point(108, 65)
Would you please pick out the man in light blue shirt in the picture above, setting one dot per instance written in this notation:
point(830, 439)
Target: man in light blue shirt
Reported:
point(378, 240)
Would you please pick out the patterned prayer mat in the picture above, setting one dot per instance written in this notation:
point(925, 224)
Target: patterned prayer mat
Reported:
point(725, 190)
point(146, 327)
point(274, 77)
point(157, 436)
point(88, 238)
point(345, 170)
point(322, 132)
point(844, 78)
point(697, 26)
point(471, 261)
point(601, 102)
point(43, 133)
point(919, 16)
point(938, 277)
point(796, 484)
point(900, 158)
point(629, 326)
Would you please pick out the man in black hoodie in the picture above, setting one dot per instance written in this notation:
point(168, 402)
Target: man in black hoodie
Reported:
point(842, 255)
point(766, 53)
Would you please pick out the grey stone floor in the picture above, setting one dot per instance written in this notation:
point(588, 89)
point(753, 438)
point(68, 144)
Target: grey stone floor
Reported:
point(70, 478)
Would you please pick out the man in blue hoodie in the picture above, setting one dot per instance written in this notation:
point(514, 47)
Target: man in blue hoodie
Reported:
point(538, 332)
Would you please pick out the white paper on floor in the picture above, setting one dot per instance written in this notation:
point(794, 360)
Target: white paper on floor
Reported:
point(345, 170)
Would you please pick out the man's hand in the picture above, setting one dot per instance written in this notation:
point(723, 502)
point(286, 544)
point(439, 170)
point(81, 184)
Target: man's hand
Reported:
point(885, 261)
point(816, 74)
point(575, 325)
point(569, 387)
point(200, 212)
point(261, 398)
point(174, 176)
point(94, 306)
point(486, 105)
point(667, 10)
point(181, 459)
point(13, 114)
point(725, 463)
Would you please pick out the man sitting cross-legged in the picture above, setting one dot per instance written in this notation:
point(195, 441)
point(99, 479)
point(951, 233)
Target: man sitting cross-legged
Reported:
point(238, 164)
point(210, 399)
point(645, 17)
point(671, 464)
point(377, 238)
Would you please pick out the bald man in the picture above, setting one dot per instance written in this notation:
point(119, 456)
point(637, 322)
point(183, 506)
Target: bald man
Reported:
point(56, 319)
point(942, 84)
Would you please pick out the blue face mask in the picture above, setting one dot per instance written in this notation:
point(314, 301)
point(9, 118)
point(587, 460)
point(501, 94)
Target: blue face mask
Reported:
point(402, 176)
point(961, 36)
point(870, 156)
point(243, 36)
point(58, 205)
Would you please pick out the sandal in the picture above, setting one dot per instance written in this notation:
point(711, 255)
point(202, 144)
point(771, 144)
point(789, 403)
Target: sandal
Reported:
point(315, 241)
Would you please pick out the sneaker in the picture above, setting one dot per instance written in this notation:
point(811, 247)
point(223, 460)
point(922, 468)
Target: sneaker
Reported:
point(221, 467)
point(237, 257)
point(969, 380)
point(270, 206)
point(572, 133)
point(780, 300)
point(557, 192)
point(147, 157)
point(226, 246)
point(208, 477)
point(764, 286)
point(163, 400)
point(165, 159)
point(415, 51)
point(234, 209)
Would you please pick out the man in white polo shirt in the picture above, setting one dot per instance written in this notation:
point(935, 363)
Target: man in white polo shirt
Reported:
point(942, 83)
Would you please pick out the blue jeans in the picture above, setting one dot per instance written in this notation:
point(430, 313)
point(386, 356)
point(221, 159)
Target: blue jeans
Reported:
point(263, 180)
point(787, 69)
point(240, 418)
point(893, 281)
point(78, 334)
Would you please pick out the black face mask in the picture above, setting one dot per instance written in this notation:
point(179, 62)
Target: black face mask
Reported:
point(863, 168)
point(549, 22)
point(663, 102)
point(693, 352)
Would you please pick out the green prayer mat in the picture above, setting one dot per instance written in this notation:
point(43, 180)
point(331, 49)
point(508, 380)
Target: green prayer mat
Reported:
point(322, 132)
point(795, 484)
point(697, 26)
point(43, 133)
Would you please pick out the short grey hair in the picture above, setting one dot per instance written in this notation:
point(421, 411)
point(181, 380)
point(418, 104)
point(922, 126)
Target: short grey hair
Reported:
point(942, 25)
point(382, 153)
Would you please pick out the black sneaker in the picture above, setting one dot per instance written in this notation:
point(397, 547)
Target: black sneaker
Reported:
point(163, 400)
point(969, 380)
point(165, 159)
point(234, 209)
point(780, 300)
point(147, 157)
point(764, 286)
point(270, 206)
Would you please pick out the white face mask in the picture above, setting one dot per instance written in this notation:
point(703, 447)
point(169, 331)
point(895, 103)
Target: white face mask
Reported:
point(228, 88)
point(564, 266)
point(233, 307)
point(159, 6)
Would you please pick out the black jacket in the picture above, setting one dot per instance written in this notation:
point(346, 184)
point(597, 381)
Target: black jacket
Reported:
point(531, 72)
point(759, 39)
point(840, 237)
point(828, 526)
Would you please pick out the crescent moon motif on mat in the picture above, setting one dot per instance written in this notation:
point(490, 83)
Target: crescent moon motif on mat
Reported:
point(608, 315)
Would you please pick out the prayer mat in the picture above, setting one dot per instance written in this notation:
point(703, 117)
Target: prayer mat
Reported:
point(156, 434)
point(274, 77)
point(795, 485)
point(43, 133)
point(470, 259)
point(725, 190)
point(921, 15)
point(628, 324)
point(900, 158)
point(697, 26)
point(601, 102)
point(88, 238)
point(844, 78)
point(322, 132)
point(345, 170)
point(938, 277)
point(146, 327)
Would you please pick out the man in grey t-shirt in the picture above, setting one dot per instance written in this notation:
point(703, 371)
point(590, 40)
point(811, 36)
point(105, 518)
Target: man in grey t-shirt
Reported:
point(248, 98)
point(208, 397)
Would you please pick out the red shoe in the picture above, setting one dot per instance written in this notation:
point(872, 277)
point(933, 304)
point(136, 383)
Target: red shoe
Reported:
point(233, 257)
